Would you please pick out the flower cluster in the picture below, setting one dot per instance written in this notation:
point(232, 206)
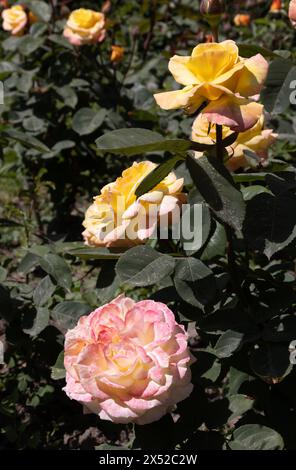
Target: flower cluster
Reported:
point(83, 27)
point(128, 362)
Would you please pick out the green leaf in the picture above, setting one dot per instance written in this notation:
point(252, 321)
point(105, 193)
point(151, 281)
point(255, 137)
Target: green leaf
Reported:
point(40, 322)
point(216, 246)
point(60, 41)
point(30, 44)
point(218, 190)
point(63, 145)
point(12, 43)
point(110, 447)
point(58, 370)
point(107, 282)
point(29, 261)
point(157, 175)
point(43, 291)
point(66, 314)
point(143, 266)
point(249, 50)
point(56, 267)
point(270, 221)
point(228, 343)
point(86, 120)
point(38, 29)
point(27, 140)
point(195, 225)
point(3, 274)
point(271, 362)
point(251, 191)
point(68, 95)
point(194, 282)
point(33, 124)
point(213, 372)
point(41, 9)
point(136, 141)
point(256, 437)
point(276, 93)
point(249, 177)
point(85, 252)
point(236, 380)
point(239, 404)
point(26, 80)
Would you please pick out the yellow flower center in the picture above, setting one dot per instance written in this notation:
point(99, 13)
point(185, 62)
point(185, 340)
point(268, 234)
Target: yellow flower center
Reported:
point(84, 18)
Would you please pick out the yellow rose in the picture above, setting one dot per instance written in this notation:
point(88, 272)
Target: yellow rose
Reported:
point(215, 76)
point(85, 27)
point(118, 218)
point(15, 20)
point(257, 140)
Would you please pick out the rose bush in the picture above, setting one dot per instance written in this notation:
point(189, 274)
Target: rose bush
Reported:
point(72, 121)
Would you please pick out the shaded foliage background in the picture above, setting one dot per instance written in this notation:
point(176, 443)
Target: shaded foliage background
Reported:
point(241, 316)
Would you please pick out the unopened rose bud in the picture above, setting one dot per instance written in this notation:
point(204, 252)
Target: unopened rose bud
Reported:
point(116, 54)
point(276, 6)
point(106, 7)
point(242, 20)
point(212, 7)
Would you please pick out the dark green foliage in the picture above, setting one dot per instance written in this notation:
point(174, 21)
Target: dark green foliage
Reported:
point(70, 121)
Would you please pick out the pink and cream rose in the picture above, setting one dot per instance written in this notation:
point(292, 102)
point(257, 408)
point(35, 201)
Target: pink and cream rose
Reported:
point(128, 361)
point(85, 27)
point(15, 20)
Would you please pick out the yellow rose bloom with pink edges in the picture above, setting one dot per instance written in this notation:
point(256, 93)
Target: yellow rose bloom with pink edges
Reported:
point(256, 140)
point(85, 27)
point(15, 20)
point(216, 77)
point(128, 361)
point(118, 219)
